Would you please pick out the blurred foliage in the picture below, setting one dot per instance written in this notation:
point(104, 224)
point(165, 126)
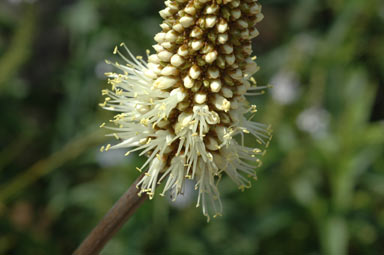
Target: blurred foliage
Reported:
point(320, 191)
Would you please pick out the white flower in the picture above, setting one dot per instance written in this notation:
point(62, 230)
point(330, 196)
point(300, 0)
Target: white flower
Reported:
point(185, 106)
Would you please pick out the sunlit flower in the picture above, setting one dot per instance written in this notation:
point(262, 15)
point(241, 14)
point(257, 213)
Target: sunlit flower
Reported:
point(184, 107)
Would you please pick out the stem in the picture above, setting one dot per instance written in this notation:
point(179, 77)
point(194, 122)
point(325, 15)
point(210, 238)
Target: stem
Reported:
point(121, 211)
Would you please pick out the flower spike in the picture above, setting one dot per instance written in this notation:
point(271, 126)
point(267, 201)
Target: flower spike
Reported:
point(185, 105)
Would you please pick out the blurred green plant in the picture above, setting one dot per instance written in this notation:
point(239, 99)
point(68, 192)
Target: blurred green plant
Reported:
point(19, 50)
point(319, 192)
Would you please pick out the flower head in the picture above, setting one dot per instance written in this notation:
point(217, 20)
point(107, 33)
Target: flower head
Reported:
point(186, 105)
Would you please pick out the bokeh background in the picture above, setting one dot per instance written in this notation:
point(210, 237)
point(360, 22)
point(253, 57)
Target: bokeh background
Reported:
point(320, 190)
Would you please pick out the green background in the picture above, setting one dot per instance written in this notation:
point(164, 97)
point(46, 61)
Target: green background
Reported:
point(320, 190)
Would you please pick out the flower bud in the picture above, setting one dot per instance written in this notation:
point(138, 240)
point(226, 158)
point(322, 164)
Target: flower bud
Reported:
point(211, 57)
point(221, 103)
point(177, 60)
point(164, 82)
point(210, 21)
point(188, 82)
point(215, 86)
point(186, 21)
point(222, 38)
point(200, 98)
point(165, 56)
point(194, 72)
point(169, 70)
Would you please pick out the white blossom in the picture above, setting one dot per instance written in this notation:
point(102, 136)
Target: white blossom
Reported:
point(185, 106)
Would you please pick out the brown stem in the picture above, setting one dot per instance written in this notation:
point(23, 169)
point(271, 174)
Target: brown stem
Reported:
point(112, 221)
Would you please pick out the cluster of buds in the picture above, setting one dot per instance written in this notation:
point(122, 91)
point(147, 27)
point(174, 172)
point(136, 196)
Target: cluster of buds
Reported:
point(184, 106)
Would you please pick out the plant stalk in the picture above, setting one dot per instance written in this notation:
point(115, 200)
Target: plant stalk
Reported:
point(121, 211)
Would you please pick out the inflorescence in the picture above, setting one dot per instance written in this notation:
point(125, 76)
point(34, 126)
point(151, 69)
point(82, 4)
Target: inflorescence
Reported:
point(184, 107)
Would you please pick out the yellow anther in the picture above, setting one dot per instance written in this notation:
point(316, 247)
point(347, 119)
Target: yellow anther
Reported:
point(253, 108)
point(119, 92)
point(102, 125)
point(144, 122)
point(107, 147)
point(102, 149)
